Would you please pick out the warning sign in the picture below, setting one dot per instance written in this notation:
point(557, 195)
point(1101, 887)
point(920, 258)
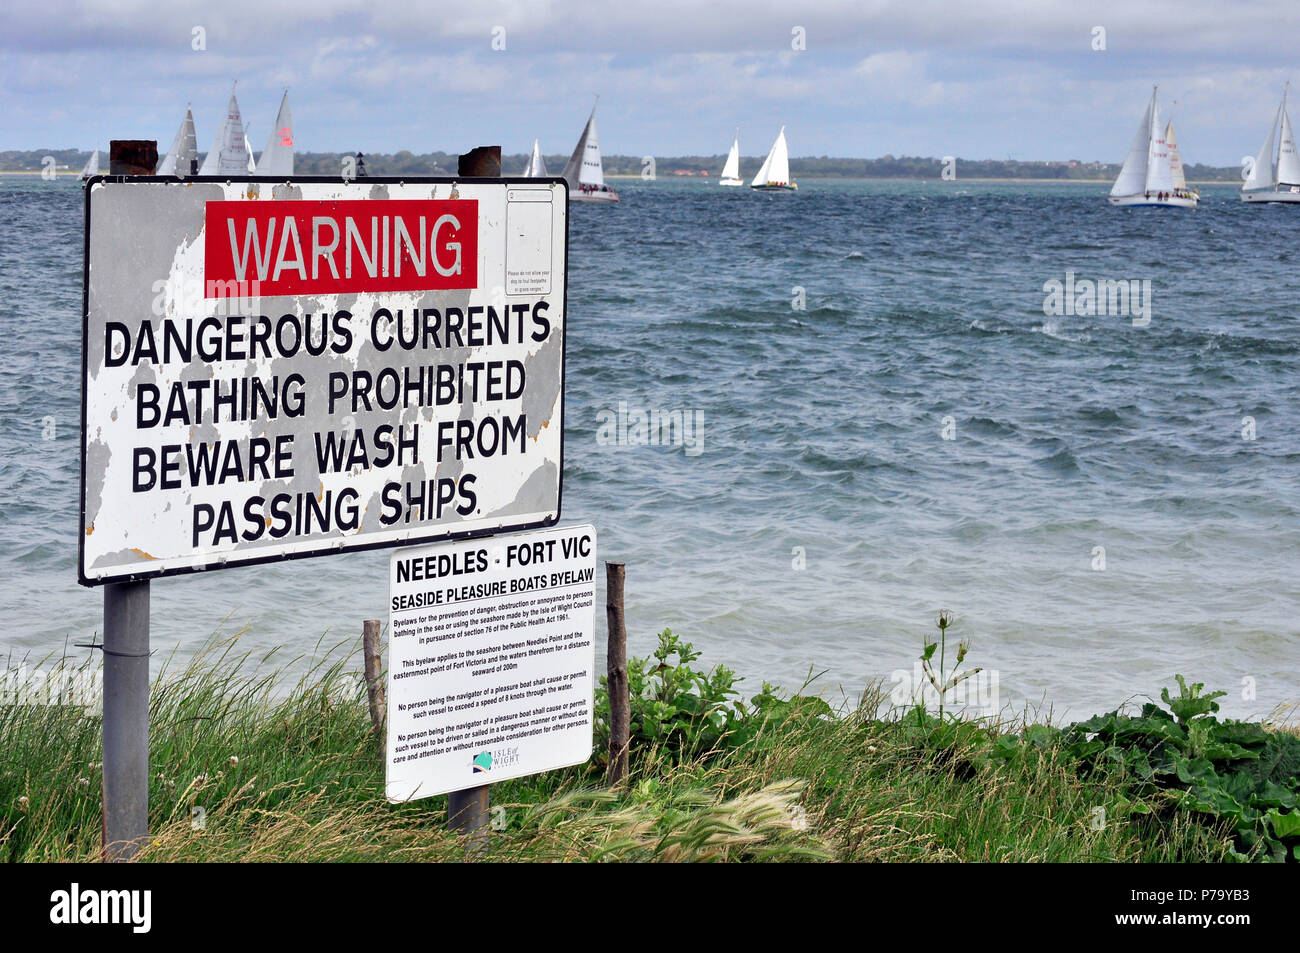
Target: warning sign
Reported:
point(490, 655)
point(283, 369)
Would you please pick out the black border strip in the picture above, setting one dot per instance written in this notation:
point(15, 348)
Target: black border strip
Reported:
point(231, 562)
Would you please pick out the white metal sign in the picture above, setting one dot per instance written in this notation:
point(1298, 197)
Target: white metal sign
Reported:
point(491, 649)
point(279, 369)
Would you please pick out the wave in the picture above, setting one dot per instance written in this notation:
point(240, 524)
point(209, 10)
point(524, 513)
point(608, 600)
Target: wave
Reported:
point(830, 463)
point(1228, 342)
point(988, 426)
point(1054, 330)
point(1063, 463)
point(1102, 414)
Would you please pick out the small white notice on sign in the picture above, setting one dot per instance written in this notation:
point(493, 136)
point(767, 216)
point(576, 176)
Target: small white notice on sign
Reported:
point(490, 656)
point(529, 226)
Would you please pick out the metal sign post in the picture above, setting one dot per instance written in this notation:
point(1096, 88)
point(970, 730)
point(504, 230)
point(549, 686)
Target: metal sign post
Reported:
point(126, 719)
point(125, 825)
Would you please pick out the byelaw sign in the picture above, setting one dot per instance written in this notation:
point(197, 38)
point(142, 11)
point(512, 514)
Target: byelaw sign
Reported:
point(490, 657)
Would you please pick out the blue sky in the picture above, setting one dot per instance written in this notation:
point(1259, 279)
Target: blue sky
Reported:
point(980, 80)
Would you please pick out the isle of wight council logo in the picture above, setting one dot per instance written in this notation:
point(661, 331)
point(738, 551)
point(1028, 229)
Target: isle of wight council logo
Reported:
point(482, 762)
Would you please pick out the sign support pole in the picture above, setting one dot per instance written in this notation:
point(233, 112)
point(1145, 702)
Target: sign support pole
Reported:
point(620, 715)
point(126, 654)
point(467, 810)
point(126, 719)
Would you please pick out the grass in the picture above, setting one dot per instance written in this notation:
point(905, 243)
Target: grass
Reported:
point(291, 772)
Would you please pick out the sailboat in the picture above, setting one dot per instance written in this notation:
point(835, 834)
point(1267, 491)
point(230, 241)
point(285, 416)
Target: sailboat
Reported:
point(277, 157)
point(1275, 176)
point(584, 172)
point(183, 157)
point(1147, 176)
point(731, 168)
point(92, 166)
point(229, 154)
point(536, 167)
point(774, 174)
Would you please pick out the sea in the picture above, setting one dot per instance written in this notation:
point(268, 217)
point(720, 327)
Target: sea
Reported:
point(896, 399)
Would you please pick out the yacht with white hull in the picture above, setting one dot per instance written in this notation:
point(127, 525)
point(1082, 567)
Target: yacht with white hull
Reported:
point(1152, 174)
point(1275, 174)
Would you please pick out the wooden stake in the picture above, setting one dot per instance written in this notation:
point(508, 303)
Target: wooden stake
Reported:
point(467, 813)
point(467, 810)
point(482, 162)
point(374, 677)
point(132, 157)
point(620, 711)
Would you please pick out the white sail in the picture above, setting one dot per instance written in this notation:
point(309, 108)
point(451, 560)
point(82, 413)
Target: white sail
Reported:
point(775, 169)
point(1262, 173)
point(731, 168)
point(184, 152)
point(1133, 175)
point(779, 170)
point(92, 165)
point(760, 177)
point(584, 166)
point(248, 150)
point(1175, 159)
point(277, 157)
point(213, 159)
point(1160, 177)
point(536, 167)
point(229, 154)
point(1288, 163)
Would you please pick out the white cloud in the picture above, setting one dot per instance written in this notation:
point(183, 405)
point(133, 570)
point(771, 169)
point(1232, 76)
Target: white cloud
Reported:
point(927, 77)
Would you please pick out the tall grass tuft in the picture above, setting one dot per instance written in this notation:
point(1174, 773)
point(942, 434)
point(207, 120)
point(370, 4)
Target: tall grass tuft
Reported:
point(250, 764)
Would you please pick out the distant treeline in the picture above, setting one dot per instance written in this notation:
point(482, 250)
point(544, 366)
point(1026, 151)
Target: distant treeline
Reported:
point(885, 167)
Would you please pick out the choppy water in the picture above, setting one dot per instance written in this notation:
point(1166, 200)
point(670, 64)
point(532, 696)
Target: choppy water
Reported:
point(823, 435)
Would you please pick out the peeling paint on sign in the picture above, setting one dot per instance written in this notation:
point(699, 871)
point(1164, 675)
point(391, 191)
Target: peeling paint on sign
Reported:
point(282, 370)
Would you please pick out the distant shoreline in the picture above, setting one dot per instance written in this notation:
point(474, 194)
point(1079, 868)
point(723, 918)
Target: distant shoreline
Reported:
point(807, 178)
point(952, 182)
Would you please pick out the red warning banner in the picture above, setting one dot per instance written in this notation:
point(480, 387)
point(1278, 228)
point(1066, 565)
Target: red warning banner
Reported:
point(333, 247)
